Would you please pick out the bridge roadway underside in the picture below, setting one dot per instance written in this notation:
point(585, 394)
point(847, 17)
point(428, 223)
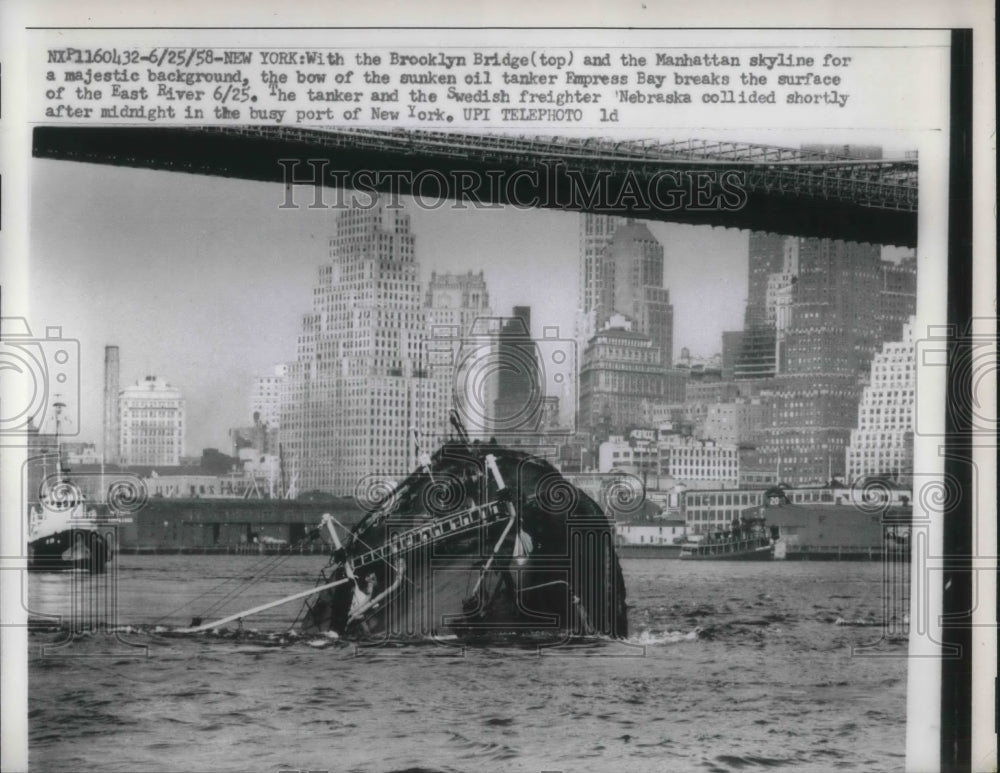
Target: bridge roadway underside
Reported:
point(504, 181)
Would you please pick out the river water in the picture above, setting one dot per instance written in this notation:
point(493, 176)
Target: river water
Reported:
point(729, 667)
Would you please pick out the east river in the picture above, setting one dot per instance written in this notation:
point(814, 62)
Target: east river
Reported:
point(729, 667)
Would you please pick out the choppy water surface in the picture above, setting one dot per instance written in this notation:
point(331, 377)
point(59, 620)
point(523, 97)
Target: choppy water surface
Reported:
point(730, 667)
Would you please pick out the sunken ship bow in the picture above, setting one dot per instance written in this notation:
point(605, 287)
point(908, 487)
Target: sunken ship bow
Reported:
point(479, 542)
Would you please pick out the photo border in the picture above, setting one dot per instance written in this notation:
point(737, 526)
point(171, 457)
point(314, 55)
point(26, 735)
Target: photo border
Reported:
point(963, 543)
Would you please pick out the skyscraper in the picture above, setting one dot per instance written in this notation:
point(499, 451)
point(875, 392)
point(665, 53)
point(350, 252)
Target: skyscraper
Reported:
point(817, 312)
point(772, 268)
point(811, 418)
point(882, 444)
point(766, 256)
point(732, 345)
point(460, 352)
point(622, 374)
point(359, 386)
point(843, 299)
point(519, 405)
point(633, 286)
point(897, 300)
point(833, 326)
point(457, 300)
point(758, 353)
point(595, 235)
point(621, 273)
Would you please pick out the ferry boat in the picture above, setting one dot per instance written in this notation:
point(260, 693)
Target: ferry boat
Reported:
point(749, 539)
point(479, 542)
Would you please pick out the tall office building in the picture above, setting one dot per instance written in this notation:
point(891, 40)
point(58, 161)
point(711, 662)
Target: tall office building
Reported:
point(732, 344)
point(621, 376)
point(460, 351)
point(766, 256)
point(520, 402)
point(633, 287)
point(457, 300)
point(882, 444)
point(595, 235)
point(621, 273)
point(833, 326)
point(811, 418)
point(360, 386)
point(898, 297)
point(758, 353)
point(151, 422)
point(843, 299)
point(772, 268)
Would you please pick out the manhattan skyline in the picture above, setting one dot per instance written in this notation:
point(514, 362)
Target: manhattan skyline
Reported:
point(203, 281)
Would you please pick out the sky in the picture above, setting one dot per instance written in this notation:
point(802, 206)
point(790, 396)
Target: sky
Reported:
point(203, 280)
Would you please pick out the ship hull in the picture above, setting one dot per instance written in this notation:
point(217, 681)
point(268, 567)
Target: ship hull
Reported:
point(70, 549)
point(649, 551)
point(439, 602)
point(456, 555)
point(759, 553)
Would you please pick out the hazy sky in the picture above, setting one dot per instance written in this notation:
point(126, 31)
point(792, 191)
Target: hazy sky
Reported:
point(203, 280)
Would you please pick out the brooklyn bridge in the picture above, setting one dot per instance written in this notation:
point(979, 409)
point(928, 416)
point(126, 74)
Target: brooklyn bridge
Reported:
point(814, 191)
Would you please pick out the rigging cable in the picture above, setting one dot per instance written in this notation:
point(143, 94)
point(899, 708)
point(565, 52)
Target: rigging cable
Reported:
point(258, 571)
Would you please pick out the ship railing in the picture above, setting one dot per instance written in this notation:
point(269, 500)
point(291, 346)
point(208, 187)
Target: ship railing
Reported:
point(722, 548)
point(433, 531)
point(872, 552)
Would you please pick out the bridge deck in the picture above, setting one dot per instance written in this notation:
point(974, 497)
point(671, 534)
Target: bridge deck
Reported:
point(796, 192)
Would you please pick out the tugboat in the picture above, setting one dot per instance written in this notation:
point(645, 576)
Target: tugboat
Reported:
point(480, 542)
point(64, 533)
point(749, 539)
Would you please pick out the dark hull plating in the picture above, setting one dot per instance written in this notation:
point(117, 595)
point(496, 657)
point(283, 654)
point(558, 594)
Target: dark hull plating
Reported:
point(763, 552)
point(483, 542)
point(70, 549)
